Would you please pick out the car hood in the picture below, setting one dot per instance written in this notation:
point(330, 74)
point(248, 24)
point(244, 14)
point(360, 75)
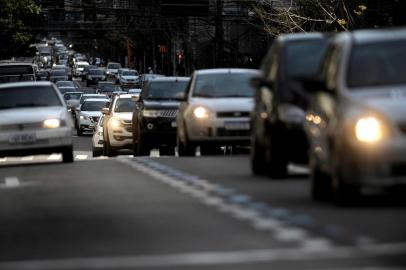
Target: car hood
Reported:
point(91, 113)
point(161, 104)
point(31, 115)
point(124, 116)
point(225, 104)
point(112, 70)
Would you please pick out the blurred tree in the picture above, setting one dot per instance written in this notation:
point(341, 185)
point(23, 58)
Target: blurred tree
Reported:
point(16, 20)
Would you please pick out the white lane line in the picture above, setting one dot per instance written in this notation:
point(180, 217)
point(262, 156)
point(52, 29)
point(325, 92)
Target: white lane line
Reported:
point(11, 182)
point(54, 157)
point(3, 159)
point(297, 169)
point(27, 158)
point(212, 258)
point(81, 156)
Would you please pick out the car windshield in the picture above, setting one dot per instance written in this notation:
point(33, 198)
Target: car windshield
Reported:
point(114, 66)
point(83, 97)
point(130, 73)
point(59, 72)
point(96, 72)
point(72, 96)
point(303, 58)
point(223, 85)
point(65, 83)
point(377, 64)
point(124, 105)
point(28, 96)
point(165, 90)
point(110, 88)
point(94, 105)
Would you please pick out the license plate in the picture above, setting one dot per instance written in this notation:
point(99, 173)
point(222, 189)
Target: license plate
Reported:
point(22, 138)
point(173, 124)
point(237, 125)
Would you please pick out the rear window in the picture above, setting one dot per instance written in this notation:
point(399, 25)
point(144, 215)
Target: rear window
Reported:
point(58, 73)
point(124, 105)
point(164, 90)
point(130, 73)
point(113, 66)
point(377, 64)
point(223, 85)
point(94, 105)
point(16, 69)
point(72, 96)
point(96, 72)
point(28, 96)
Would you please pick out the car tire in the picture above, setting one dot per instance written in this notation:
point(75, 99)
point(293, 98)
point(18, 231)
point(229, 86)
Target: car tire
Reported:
point(96, 153)
point(276, 160)
point(185, 149)
point(257, 157)
point(67, 155)
point(143, 149)
point(108, 150)
point(79, 131)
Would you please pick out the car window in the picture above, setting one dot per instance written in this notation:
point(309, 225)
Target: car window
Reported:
point(114, 66)
point(223, 85)
point(58, 72)
point(96, 72)
point(64, 83)
point(377, 64)
point(72, 96)
point(124, 105)
point(130, 73)
point(165, 90)
point(93, 105)
point(28, 96)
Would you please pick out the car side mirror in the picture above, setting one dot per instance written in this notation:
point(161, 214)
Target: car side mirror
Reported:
point(259, 82)
point(105, 111)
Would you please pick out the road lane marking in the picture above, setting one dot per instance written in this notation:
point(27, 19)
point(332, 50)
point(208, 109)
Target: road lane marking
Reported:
point(81, 156)
point(295, 255)
point(27, 158)
point(11, 182)
point(54, 157)
point(3, 159)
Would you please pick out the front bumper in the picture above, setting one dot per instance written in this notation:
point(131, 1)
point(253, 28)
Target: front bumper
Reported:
point(219, 130)
point(39, 140)
point(159, 131)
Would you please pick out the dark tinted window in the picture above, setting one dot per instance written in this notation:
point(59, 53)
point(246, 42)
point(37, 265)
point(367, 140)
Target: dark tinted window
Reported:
point(304, 58)
point(130, 73)
point(29, 96)
point(110, 88)
point(223, 85)
point(378, 64)
point(59, 72)
point(16, 69)
point(71, 96)
point(96, 72)
point(165, 90)
point(65, 83)
point(94, 105)
point(124, 105)
point(114, 66)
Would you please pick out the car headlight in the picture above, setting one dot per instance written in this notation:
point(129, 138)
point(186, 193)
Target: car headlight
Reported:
point(369, 130)
point(83, 117)
point(200, 112)
point(52, 123)
point(150, 113)
point(114, 123)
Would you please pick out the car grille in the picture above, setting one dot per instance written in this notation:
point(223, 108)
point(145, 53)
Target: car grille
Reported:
point(26, 126)
point(232, 114)
point(238, 133)
point(168, 113)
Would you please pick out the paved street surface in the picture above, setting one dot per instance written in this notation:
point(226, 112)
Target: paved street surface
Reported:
point(184, 213)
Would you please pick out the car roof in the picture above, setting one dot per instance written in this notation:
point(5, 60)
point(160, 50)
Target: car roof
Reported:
point(94, 95)
point(76, 92)
point(124, 96)
point(25, 84)
point(96, 100)
point(11, 63)
point(376, 35)
point(64, 81)
point(225, 71)
point(303, 36)
point(170, 79)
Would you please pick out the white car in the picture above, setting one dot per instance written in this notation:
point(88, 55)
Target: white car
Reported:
point(89, 113)
point(128, 78)
point(78, 69)
point(118, 133)
point(216, 111)
point(34, 120)
point(112, 69)
point(97, 140)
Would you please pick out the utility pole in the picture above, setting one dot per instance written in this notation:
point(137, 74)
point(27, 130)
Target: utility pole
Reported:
point(219, 36)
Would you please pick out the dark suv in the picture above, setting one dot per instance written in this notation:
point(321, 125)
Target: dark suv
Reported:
point(154, 123)
point(278, 135)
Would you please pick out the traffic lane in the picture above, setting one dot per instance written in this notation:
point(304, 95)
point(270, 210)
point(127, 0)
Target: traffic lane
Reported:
point(377, 217)
point(82, 143)
point(105, 208)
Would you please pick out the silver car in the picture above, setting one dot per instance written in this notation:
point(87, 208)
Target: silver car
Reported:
point(216, 110)
point(357, 119)
point(34, 120)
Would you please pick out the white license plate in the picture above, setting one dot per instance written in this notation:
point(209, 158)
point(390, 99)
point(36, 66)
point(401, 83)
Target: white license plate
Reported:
point(173, 124)
point(22, 138)
point(237, 125)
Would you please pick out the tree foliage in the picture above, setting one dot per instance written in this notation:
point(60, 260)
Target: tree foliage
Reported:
point(16, 20)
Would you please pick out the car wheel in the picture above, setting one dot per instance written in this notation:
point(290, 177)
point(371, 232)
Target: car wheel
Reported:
point(109, 151)
point(67, 155)
point(257, 157)
point(79, 131)
point(276, 160)
point(142, 148)
point(186, 148)
point(96, 153)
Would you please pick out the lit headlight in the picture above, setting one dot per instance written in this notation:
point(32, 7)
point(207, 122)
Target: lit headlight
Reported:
point(150, 113)
point(200, 112)
point(52, 123)
point(114, 123)
point(368, 130)
point(83, 117)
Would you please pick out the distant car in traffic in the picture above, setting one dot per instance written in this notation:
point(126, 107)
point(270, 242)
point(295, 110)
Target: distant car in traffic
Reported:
point(42, 75)
point(215, 111)
point(107, 88)
point(128, 78)
point(58, 75)
point(82, 99)
point(356, 121)
point(34, 120)
point(278, 137)
point(65, 84)
point(86, 70)
point(78, 68)
point(72, 100)
point(65, 89)
point(117, 128)
point(97, 139)
point(154, 122)
point(112, 69)
point(89, 113)
point(93, 76)
point(16, 72)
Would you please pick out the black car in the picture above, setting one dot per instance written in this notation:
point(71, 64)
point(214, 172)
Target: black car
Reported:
point(95, 75)
point(86, 70)
point(278, 135)
point(154, 123)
